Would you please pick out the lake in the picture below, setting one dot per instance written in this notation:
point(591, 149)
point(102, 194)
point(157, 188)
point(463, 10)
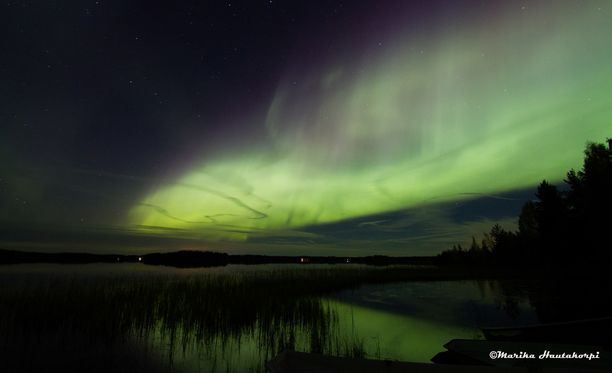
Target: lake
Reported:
point(234, 318)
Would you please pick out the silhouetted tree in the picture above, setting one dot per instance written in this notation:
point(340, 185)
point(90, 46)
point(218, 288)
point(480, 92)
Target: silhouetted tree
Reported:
point(559, 226)
point(474, 247)
point(551, 214)
point(590, 201)
point(528, 220)
point(572, 225)
point(505, 248)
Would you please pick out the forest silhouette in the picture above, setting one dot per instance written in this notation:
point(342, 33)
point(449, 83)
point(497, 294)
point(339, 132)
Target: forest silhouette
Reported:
point(561, 226)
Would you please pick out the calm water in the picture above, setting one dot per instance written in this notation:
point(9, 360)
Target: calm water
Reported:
point(408, 321)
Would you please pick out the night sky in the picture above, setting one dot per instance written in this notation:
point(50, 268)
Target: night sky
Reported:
point(277, 127)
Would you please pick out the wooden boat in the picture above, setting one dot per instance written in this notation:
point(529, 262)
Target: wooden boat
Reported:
point(589, 332)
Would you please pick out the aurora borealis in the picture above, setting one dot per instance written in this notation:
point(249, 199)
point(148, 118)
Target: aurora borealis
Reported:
point(397, 128)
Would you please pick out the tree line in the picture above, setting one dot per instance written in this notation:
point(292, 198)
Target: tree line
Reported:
point(567, 225)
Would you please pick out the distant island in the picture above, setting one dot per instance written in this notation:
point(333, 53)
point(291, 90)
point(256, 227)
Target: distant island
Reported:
point(193, 259)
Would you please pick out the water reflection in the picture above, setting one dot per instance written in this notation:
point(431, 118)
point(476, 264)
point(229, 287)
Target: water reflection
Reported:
point(472, 303)
point(391, 335)
point(234, 318)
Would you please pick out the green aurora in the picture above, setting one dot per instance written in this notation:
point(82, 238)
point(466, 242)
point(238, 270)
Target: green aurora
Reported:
point(479, 106)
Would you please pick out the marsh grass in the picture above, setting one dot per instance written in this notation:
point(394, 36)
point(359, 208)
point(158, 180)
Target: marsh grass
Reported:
point(214, 316)
point(275, 309)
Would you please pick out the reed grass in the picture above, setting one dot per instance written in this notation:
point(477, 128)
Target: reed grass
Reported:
point(278, 308)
